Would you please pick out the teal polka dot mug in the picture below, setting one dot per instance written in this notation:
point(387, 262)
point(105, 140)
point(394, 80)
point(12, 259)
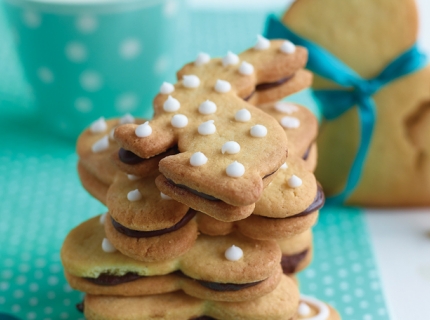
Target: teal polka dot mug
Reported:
point(92, 58)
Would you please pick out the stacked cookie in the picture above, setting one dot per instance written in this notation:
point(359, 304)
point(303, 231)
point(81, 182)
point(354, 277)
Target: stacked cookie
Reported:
point(207, 217)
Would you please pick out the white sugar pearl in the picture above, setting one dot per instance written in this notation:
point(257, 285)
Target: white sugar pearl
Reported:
point(167, 88)
point(207, 107)
point(134, 195)
point(190, 81)
point(207, 128)
point(112, 134)
point(246, 68)
point(233, 253)
point(171, 104)
point(258, 131)
point(242, 115)
point(100, 145)
point(198, 159)
point(143, 130)
point(230, 59)
point(287, 47)
point(290, 122)
point(262, 43)
point(230, 147)
point(202, 58)
point(222, 86)
point(98, 126)
point(304, 309)
point(107, 246)
point(132, 177)
point(286, 107)
point(103, 218)
point(127, 118)
point(235, 170)
point(294, 181)
point(165, 196)
point(179, 121)
point(284, 166)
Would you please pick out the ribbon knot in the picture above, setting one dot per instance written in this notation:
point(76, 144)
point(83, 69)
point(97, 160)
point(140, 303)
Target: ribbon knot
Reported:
point(355, 91)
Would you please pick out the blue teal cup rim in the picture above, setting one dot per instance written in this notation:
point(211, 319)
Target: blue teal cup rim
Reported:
point(71, 6)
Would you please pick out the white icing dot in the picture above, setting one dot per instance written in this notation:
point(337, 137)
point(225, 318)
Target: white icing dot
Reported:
point(179, 121)
point(45, 75)
point(286, 107)
point(143, 130)
point(246, 68)
point(103, 218)
point(284, 166)
point(171, 104)
point(242, 115)
point(76, 52)
point(100, 145)
point(235, 169)
point(262, 43)
point(290, 122)
point(230, 147)
point(190, 81)
point(167, 88)
point(107, 246)
point(134, 195)
point(202, 58)
point(287, 47)
point(165, 196)
point(207, 128)
point(304, 309)
point(127, 118)
point(198, 159)
point(233, 253)
point(258, 131)
point(91, 80)
point(130, 48)
point(294, 181)
point(222, 86)
point(323, 310)
point(132, 177)
point(207, 107)
point(112, 134)
point(98, 126)
point(230, 59)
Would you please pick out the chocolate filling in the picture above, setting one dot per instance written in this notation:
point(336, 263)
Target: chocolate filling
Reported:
point(129, 157)
point(80, 307)
point(270, 85)
point(308, 151)
point(105, 279)
point(204, 195)
point(203, 318)
point(249, 97)
point(289, 263)
point(154, 233)
point(317, 204)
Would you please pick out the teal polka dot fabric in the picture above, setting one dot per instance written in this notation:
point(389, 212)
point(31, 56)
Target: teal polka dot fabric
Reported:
point(42, 200)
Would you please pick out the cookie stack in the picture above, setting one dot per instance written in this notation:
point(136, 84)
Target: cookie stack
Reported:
point(207, 217)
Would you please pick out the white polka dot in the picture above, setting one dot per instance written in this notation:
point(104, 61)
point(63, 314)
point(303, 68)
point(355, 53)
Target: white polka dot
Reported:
point(364, 304)
point(367, 317)
point(33, 287)
point(66, 302)
point(91, 80)
point(346, 298)
point(33, 301)
point(329, 292)
point(170, 8)
point(375, 285)
point(67, 288)
point(18, 294)
point(359, 292)
point(31, 315)
point(76, 52)
point(4, 286)
point(130, 48)
point(7, 274)
point(161, 65)
point(349, 310)
point(310, 273)
point(64, 315)
point(45, 75)
point(31, 19)
point(127, 102)
point(344, 285)
point(328, 280)
point(86, 24)
point(48, 310)
point(21, 279)
point(52, 280)
point(342, 273)
point(40, 263)
point(356, 267)
point(2, 300)
point(16, 308)
point(83, 105)
point(382, 312)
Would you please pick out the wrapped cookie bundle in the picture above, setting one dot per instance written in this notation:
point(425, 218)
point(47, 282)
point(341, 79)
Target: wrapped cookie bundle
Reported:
point(207, 216)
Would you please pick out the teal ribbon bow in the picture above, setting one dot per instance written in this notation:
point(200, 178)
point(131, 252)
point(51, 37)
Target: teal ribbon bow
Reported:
point(358, 91)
